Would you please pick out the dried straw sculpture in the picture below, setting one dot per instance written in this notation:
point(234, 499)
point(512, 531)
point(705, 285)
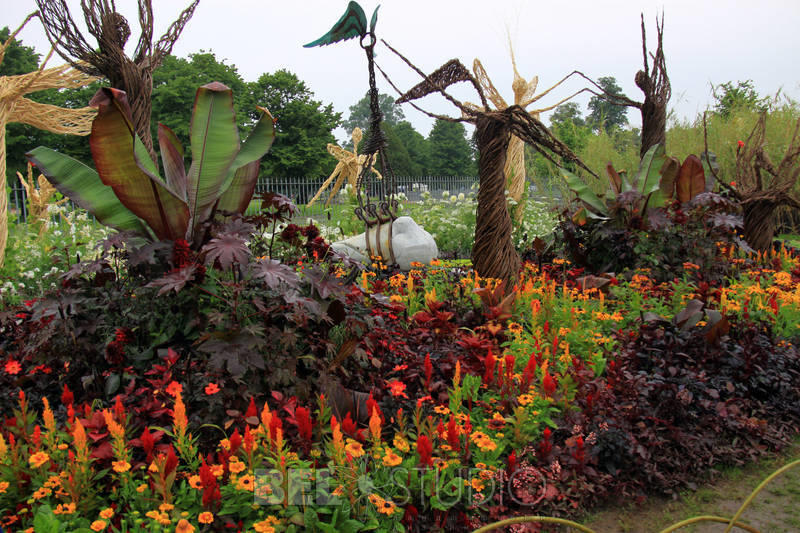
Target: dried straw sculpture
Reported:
point(347, 169)
point(14, 107)
point(38, 199)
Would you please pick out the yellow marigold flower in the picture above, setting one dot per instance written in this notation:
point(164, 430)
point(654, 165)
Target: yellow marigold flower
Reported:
point(99, 525)
point(236, 466)
point(354, 448)
point(396, 298)
point(107, 513)
point(263, 527)
point(391, 458)
point(514, 327)
point(121, 466)
point(184, 526)
point(38, 459)
point(43, 492)
point(205, 517)
point(245, 483)
point(400, 443)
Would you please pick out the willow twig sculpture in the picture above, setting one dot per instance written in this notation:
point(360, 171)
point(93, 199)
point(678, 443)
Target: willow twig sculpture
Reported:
point(347, 169)
point(493, 254)
point(108, 59)
point(14, 107)
point(524, 95)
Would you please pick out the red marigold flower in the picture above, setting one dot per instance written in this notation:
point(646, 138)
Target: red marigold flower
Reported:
point(397, 388)
point(174, 388)
point(13, 367)
point(211, 388)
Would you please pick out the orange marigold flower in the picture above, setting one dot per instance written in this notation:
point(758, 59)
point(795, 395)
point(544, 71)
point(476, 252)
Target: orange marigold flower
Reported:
point(107, 513)
point(397, 388)
point(99, 525)
point(205, 517)
point(354, 448)
point(174, 388)
point(236, 466)
point(38, 459)
point(12, 367)
point(245, 483)
point(212, 388)
point(166, 507)
point(121, 466)
point(65, 508)
point(195, 482)
point(141, 488)
point(184, 526)
point(391, 458)
point(3, 486)
point(263, 527)
point(43, 492)
point(387, 508)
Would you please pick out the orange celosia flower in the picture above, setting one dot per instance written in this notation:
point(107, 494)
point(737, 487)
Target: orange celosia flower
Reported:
point(3, 448)
point(79, 441)
point(116, 430)
point(47, 416)
point(179, 420)
point(375, 426)
point(205, 517)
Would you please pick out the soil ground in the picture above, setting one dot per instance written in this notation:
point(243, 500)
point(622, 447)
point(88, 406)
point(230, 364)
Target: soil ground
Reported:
point(776, 509)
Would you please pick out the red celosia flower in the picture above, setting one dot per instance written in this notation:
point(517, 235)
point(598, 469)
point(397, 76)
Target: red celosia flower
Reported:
point(530, 371)
point(489, 364)
point(510, 361)
point(349, 427)
point(249, 441)
point(275, 423)
point(211, 388)
point(181, 254)
point(172, 461)
point(119, 409)
point(425, 450)
point(174, 388)
point(235, 441)
point(115, 352)
point(452, 434)
point(67, 398)
point(511, 463)
point(548, 383)
point(579, 453)
point(37, 436)
point(397, 388)
point(441, 430)
point(123, 335)
point(303, 418)
point(545, 447)
point(12, 367)
point(251, 409)
point(372, 406)
point(428, 371)
point(148, 443)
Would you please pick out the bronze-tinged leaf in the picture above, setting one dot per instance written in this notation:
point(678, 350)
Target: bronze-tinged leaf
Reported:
point(691, 179)
point(692, 308)
point(227, 249)
point(539, 245)
point(669, 172)
point(717, 327)
point(614, 178)
point(593, 282)
point(580, 217)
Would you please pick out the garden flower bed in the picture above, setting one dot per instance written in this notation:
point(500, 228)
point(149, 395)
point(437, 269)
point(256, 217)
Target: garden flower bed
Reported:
point(256, 396)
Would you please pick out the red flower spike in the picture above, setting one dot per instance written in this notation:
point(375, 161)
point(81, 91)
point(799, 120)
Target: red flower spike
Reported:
point(510, 361)
point(249, 441)
point(275, 424)
point(172, 461)
point(428, 371)
point(548, 383)
point(119, 409)
point(440, 430)
point(37, 436)
point(251, 409)
point(511, 463)
point(303, 418)
point(67, 398)
point(148, 442)
point(545, 447)
point(452, 434)
point(425, 450)
point(530, 371)
point(236, 441)
point(489, 364)
point(348, 426)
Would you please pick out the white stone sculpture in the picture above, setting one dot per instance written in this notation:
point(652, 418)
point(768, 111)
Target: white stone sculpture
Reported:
point(410, 243)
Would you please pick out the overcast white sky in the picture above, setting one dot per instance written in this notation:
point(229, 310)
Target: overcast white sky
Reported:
point(705, 42)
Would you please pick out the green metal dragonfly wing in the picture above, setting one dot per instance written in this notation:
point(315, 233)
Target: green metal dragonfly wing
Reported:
point(352, 24)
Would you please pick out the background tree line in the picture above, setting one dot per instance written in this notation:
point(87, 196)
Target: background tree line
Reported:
point(304, 128)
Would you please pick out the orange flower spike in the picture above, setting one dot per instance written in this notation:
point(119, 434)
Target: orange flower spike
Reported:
point(457, 376)
point(266, 417)
point(3, 449)
point(48, 417)
point(179, 420)
point(116, 430)
point(375, 427)
point(79, 441)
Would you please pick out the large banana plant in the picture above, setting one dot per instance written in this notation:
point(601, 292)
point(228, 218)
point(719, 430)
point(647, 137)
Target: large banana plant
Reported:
point(127, 192)
point(659, 178)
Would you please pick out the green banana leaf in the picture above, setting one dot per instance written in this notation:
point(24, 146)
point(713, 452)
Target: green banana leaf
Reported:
point(172, 160)
point(215, 143)
point(123, 163)
point(648, 180)
point(243, 174)
point(83, 186)
point(584, 193)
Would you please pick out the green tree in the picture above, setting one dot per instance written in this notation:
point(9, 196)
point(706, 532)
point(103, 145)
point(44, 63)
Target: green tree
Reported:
point(304, 126)
point(741, 97)
point(360, 112)
point(451, 153)
point(568, 125)
point(416, 145)
point(175, 84)
point(569, 112)
point(602, 112)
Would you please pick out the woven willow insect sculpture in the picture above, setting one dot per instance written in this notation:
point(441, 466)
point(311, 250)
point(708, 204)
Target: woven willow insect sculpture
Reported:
point(14, 107)
point(347, 169)
point(524, 96)
point(134, 75)
point(38, 199)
